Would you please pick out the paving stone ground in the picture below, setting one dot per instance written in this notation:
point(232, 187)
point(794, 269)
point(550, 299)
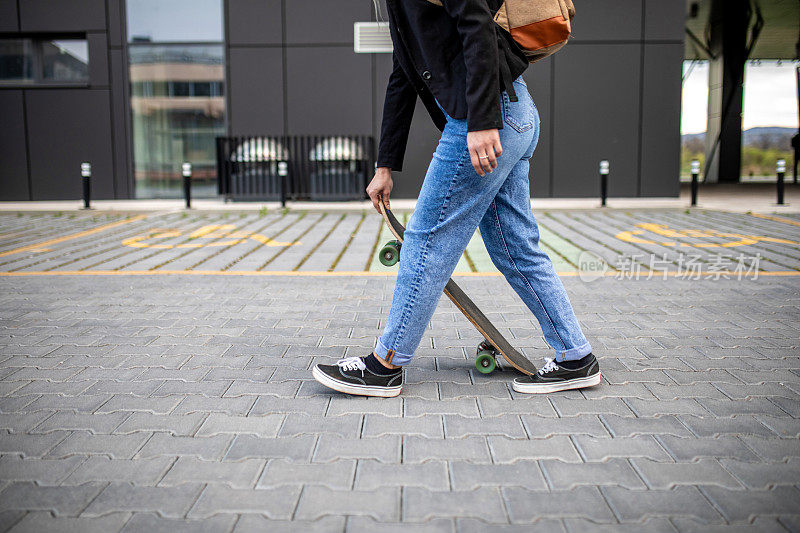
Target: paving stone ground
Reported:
point(185, 402)
point(620, 241)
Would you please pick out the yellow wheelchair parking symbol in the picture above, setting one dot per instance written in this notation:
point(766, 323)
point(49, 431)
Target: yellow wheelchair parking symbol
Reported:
point(207, 236)
point(729, 239)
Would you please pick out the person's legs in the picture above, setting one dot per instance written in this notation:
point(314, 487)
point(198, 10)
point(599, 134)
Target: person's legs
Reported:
point(511, 235)
point(451, 203)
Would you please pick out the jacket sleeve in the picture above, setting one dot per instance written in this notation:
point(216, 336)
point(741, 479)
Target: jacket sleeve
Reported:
point(476, 26)
point(398, 110)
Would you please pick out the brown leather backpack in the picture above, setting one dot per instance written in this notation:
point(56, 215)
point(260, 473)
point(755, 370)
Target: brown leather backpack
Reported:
point(540, 27)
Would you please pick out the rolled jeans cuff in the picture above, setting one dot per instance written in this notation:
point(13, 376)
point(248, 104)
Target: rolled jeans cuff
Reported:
point(391, 356)
point(573, 354)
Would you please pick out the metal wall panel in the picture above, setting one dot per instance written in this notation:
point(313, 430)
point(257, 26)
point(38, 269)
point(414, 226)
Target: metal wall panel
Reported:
point(254, 22)
point(608, 20)
point(98, 59)
point(324, 21)
point(62, 15)
point(116, 22)
point(538, 77)
point(8, 15)
point(14, 166)
point(664, 20)
point(661, 119)
point(590, 112)
point(329, 91)
point(256, 91)
point(596, 117)
point(83, 133)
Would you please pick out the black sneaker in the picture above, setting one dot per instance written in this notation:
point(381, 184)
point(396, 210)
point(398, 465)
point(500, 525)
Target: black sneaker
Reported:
point(352, 376)
point(553, 377)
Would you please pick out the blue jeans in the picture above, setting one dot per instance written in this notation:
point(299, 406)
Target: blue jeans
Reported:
point(453, 202)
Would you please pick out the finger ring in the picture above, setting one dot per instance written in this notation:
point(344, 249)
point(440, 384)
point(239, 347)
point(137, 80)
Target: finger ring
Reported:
point(484, 157)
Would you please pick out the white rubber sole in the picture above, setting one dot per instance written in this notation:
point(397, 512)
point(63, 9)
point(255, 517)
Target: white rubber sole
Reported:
point(588, 381)
point(360, 390)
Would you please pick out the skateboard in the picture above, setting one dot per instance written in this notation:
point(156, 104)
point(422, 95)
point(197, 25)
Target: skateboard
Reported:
point(494, 343)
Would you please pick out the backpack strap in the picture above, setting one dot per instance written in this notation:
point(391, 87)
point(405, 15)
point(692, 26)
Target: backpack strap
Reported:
point(505, 75)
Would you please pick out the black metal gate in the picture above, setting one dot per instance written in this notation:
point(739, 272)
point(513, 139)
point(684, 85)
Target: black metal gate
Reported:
point(295, 167)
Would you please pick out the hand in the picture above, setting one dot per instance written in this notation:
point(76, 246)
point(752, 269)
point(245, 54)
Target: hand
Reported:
point(481, 144)
point(380, 187)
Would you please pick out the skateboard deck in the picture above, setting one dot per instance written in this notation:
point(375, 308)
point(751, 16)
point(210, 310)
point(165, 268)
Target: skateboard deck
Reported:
point(495, 342)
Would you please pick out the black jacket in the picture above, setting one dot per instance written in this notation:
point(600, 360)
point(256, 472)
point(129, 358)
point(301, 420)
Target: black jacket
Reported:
point(455, 53)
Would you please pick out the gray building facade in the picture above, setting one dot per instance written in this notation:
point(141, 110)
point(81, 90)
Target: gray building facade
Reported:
point(158, 83)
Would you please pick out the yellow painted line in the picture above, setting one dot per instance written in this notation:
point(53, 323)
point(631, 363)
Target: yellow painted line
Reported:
point(665, 231)
point(73, 236)
point(323, 273)
point(776, 219)
point(212, 231)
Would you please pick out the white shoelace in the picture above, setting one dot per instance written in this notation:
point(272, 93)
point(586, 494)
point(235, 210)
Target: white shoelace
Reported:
point(549, 366)
point(352, 363)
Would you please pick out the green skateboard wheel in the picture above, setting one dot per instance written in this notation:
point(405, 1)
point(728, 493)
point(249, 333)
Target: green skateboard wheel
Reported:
point(485, 362)
point(390, 253)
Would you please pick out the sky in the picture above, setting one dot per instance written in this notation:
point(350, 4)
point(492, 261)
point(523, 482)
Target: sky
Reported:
point(770, 96)
point(175, 20)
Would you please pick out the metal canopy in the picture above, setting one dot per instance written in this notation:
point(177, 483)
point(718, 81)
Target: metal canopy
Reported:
point(778, 39)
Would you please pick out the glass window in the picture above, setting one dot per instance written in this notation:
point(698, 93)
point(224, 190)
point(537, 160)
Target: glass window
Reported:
point(174, 21)
point(769, 117)
point(17, 60)
point(173, 122)
point(202, 88)
point(694, 115)
point(44, 60)
point(180, 88)
point(160, 88)
point(66, 60)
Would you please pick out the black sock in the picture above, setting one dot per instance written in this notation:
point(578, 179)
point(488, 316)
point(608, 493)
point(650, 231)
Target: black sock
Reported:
point(573, 365)
point(376, 367)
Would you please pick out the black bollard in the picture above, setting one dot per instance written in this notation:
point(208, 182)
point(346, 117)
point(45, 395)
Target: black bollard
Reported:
point(695, 177)
point(781, 170)
point(283, 171)
point(187, 183)
point(605, 168)
point(86, 175)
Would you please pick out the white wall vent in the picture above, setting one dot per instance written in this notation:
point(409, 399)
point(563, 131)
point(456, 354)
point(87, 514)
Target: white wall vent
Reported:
point(371, 38)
